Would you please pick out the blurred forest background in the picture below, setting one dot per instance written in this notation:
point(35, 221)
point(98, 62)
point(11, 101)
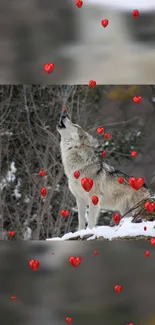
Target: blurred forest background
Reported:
point(86, 293)
point(29, 143)
point(36, 32)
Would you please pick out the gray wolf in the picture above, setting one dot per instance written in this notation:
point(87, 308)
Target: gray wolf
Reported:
point(79, 151)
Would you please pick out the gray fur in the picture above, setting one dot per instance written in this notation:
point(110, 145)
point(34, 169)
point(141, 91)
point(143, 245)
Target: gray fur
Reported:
point(78, 151)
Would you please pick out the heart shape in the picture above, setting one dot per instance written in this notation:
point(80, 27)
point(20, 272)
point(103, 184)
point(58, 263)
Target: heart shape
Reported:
point(152, 241)
point(120, 180)
point(42, 173)
point(100, 130)
point(34, 265)
point(11, 233)
point(150, 206)
point(49, 67)
point(147, 253)
point(77, 174)
point(107, 135)
point(137, 100)
point(104, 153)
point(134, 153)
point(118, 288)
point(105, 22)
point(136, 183)
point(69, 320)
point(79, 3)
point(43, 191)
point(75, 260)
point(87, 183)
point(135, 13)
point(65, 213)
point(95, 199)
point(92, 83)
point(116, 218)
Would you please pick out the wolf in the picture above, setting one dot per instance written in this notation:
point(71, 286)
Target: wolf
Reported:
point(79, 151)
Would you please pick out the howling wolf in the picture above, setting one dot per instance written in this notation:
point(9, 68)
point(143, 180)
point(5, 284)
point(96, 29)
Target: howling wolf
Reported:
point(79, 153)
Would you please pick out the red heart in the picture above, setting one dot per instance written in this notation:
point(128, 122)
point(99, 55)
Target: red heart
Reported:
point(147, 253)
point(107, 135)
point(64, 109)
point(42, 173)
point(43, 191)
point(87, 183)
point(13, 298)
point(79, 3)
point(75, 261)
point(69, 320)
point(105, 22)
point(92, 83)
point(134, 153)
point(49, 67)
point(77, 174)
point(120, 180)
point(118, 288)
point(65, 213)
point(137, 100)
point(11, 233)
point(34, 264)
point(104, 153)
point(136, 183)
point(150, 206)
point(100, 130)
point(117, 218)
point(95, 199)
point(135, 13)
point(152, 241)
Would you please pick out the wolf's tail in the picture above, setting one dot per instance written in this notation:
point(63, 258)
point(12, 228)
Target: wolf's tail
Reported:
point(139, 208)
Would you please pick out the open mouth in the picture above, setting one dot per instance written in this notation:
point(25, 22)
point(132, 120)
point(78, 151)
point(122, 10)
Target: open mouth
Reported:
point(61, 125)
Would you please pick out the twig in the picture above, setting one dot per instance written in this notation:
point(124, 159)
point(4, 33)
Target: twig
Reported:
point(117, 123)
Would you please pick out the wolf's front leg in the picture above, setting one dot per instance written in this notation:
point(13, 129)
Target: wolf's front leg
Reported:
point(93, 215)
point(81, 213)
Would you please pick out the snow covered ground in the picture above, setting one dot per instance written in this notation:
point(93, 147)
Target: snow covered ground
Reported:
point(125, 229)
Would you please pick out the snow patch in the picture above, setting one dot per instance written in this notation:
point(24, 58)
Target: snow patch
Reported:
point(10, 176)
point(27, 233)
point(2, 133)
point(27, 199)
point(16, 192)
point(125, 229)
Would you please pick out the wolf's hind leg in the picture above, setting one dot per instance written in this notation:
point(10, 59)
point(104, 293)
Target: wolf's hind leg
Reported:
point(81, 213)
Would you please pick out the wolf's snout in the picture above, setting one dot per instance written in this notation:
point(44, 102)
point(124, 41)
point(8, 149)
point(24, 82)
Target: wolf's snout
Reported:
point(62, 119)
point(63, 115)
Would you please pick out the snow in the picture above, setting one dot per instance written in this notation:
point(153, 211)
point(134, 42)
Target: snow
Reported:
point(17, 194)
point(125, 229)
point(27, 199)
point(10, 176)
point(2, 133)
point(28, 233)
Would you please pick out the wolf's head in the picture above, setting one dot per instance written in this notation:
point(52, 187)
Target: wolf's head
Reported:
point(72, 135)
